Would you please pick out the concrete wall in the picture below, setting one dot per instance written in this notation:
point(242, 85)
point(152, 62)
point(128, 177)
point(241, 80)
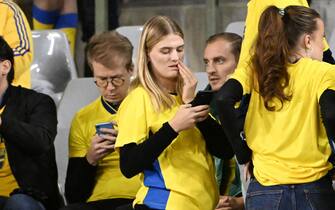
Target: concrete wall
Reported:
point(326, 9)
point(192, 19)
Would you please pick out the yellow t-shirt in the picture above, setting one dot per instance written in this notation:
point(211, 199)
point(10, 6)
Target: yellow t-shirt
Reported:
point(183, 176)
point(255, 10)
point(290, 145)
point(110, 183)
point(7, 179)
point(15, 29)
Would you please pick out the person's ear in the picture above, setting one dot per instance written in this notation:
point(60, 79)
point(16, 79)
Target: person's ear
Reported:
point(131, 68)
point(308, 41)
point(5, 67)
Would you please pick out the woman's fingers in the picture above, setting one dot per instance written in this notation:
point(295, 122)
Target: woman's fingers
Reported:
point(187, 74)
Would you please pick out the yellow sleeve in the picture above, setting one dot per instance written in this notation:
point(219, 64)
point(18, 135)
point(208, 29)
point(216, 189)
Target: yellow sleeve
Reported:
point(132, 119)
point(16, 31)
point(326, 82)
point(78, 142)
point(243, 75)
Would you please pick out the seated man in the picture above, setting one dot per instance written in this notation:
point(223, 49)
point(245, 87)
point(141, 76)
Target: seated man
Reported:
point(28, 126)
point(94, 179)
point(221, 56)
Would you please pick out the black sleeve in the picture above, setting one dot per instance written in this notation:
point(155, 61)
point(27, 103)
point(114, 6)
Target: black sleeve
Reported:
point(215, 137)
point(79, 181)
point(327, 108)
point(327, 57)
point(135, 158)
point(35, 134)
point(230, 93)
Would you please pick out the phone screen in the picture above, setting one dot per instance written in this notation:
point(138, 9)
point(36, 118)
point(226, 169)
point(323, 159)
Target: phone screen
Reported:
point(103, 125)
point(203, 97)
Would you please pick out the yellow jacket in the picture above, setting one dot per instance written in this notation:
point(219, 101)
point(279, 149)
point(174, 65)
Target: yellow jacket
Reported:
point(15, 29)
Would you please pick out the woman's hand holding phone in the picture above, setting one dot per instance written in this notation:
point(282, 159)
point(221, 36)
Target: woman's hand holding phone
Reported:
point(187, 116)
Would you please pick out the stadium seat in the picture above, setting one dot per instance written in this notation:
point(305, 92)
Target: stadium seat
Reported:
point(332, 42)
point(236, 27)
point(202, 80)
point(78, 93)
point(133, 33)
point(53, 66)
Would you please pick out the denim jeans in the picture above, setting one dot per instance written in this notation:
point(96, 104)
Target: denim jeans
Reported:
point(20, 202)
point(318, 195)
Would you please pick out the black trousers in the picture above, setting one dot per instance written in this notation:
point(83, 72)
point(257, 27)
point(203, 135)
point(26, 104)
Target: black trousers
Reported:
point(110, 204)
point(137, 207)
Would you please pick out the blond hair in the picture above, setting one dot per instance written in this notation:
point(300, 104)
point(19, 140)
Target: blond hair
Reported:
point(155, 29)
point(110, 49)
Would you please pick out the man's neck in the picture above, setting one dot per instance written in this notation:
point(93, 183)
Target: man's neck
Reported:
point(3, 88)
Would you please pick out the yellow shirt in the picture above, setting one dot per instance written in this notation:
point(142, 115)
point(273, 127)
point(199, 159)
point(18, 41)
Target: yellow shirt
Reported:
point(290, 146)
point(15, 29)
point(110, 183)
point(255, 10)
point(7, 180)
point(183, 176)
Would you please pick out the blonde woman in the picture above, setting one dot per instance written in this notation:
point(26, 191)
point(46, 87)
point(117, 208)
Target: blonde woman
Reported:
point(161, 136)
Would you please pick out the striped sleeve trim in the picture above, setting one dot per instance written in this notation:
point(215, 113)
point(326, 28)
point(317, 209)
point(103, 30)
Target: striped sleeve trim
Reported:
point(21, 29)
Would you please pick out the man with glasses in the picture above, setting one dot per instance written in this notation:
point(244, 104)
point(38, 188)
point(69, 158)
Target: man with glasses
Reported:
point(94, 180)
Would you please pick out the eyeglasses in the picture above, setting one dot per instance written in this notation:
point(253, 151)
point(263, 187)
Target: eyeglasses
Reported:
point(103, 83)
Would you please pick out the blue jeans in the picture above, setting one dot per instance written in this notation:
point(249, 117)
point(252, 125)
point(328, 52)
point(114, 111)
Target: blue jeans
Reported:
point(318, 195)
point(20, 202)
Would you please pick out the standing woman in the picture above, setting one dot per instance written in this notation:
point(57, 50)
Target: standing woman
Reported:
point(290, 115)
point(161, 136)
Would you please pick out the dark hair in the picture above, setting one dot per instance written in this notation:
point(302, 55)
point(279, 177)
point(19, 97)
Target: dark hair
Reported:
point(110, 49)
point(235, 41)
point(278, 33)
point(309, 2)
point(6, 53)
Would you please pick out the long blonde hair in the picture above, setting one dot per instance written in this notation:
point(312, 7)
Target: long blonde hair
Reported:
point(155, 29)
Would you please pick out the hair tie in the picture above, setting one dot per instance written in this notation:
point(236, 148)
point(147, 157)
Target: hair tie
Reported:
point(281, 12)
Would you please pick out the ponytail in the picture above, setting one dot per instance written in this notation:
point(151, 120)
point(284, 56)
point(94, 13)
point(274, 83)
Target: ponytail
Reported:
point(278, 33)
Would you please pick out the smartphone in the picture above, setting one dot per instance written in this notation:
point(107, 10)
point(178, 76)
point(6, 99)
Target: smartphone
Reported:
point(203, 97)
point(103, 125)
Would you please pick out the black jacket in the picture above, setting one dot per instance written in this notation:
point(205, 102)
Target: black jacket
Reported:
point(29, 127)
